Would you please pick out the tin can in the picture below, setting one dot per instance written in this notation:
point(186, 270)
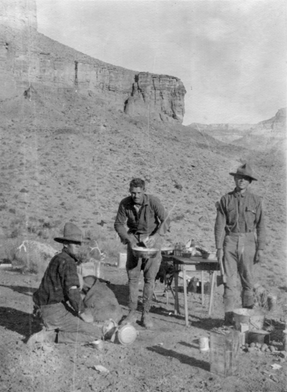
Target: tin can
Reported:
point(98, 344)
point(203, 344)
point(271, 302)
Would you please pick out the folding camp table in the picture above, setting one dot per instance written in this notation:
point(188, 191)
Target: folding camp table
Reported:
point(193, 264)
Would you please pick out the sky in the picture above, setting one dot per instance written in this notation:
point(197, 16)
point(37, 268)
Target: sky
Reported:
point(230, 55)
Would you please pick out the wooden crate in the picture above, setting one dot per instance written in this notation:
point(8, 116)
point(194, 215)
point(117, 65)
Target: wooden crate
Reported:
point(224, 351)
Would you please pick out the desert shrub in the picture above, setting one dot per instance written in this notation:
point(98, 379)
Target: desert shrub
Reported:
point(31, 259)
point(108, 247)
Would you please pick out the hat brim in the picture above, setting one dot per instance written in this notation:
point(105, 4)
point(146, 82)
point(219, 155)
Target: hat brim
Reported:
point(251, 178)
point(64, 240)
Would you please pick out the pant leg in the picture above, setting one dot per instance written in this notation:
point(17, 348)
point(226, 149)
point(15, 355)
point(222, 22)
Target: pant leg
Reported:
point(230, 267)
point(133, 267)
point(246, 250)
point(71, 328)
point(151, 268)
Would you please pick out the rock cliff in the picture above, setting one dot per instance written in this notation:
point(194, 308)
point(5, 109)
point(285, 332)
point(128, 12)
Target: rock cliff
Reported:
point(29, 58)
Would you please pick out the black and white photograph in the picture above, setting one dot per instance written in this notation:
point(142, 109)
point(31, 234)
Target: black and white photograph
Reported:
point(143, 196)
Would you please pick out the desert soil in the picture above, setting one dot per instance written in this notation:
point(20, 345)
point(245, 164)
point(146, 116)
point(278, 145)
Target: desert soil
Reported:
point(166, 358)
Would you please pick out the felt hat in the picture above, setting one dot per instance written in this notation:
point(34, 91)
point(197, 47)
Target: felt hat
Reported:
point(244, 170)
point(71, 234)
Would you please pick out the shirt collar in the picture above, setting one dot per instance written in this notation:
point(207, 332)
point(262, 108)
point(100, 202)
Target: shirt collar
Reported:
point(144, 203)
point(238, 194)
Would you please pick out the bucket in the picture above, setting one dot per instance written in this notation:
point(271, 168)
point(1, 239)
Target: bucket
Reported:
point(203, 344)
point(254, 319)
point(259, 336)
point(224, 352)
point(122, 260)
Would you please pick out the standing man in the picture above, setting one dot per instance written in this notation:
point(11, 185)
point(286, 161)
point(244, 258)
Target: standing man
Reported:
point(58, 298)
point(146, 220)
point(239, 238)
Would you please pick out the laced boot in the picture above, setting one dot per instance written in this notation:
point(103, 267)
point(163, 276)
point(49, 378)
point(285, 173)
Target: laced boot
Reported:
point(43, 336)
point(130, 319)
point(147, 321)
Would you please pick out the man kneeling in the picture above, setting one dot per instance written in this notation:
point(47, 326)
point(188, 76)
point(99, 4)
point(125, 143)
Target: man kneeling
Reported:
point(64, 315)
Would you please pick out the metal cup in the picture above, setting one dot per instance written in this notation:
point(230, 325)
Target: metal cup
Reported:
point(203, 344)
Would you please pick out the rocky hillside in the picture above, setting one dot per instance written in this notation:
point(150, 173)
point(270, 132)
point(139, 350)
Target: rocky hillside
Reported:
point(28, 58)
point(68, 153)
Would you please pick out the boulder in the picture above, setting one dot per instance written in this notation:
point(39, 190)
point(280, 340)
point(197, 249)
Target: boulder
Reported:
point(33, 255)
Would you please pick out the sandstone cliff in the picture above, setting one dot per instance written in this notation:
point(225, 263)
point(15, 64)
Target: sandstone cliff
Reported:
point(29, 58)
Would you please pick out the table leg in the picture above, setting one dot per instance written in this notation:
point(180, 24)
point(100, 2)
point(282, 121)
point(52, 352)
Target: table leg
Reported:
point(176, 305)
point(185, 296)
point(213, 276)
point(202, 289)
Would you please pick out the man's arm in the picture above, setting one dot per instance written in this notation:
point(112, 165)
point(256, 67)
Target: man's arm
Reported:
point(220, 223)
point(161, 215)
point(261, 233)
point(120, 226)
point(260, 227)
point(163, 223)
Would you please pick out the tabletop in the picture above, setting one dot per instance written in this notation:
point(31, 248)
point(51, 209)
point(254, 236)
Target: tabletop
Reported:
point(193, 260)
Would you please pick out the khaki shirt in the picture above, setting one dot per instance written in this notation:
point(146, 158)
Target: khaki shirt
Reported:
point(147, 220)
point(240, 213)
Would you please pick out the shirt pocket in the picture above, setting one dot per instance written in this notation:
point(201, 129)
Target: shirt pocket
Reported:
point(250, 214)
point(231, 215)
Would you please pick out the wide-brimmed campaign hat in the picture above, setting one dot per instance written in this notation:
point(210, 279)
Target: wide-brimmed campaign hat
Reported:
point(71, 234)
point(244, 170)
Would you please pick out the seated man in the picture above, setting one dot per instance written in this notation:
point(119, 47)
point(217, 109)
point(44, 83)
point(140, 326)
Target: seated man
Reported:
point(59, 299)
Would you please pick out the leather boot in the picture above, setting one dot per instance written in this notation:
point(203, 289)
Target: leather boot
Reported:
point(130, 319)
point(147, 321)
point(43, 336)
point(228, 319)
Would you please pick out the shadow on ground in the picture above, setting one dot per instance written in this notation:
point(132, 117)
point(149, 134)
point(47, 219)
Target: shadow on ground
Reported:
point(17, 321)
point(180, 357)
point(20, 289)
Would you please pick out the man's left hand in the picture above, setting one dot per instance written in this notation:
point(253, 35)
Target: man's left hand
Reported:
point(258, 256)
point(150, 242)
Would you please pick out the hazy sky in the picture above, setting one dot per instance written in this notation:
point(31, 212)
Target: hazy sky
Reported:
point(230, 55)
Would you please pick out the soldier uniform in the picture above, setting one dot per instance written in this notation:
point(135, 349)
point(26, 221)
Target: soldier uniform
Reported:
point(239, 235)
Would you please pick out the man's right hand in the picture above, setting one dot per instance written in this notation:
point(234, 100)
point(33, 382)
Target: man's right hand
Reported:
point(87, 316)
point(132, 241)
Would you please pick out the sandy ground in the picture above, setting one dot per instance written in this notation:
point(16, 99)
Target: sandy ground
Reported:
point(166, 358)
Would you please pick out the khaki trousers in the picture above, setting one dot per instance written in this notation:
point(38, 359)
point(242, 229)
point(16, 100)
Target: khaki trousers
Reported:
point(239, 251)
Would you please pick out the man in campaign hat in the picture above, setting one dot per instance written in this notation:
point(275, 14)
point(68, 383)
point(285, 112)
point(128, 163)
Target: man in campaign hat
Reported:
point(239, 238)
point(58, 298)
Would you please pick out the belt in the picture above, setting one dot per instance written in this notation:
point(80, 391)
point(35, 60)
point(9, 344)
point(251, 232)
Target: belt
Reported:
point(240, 234)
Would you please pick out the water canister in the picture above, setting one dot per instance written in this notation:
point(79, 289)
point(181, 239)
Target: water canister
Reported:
point(126, 335)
